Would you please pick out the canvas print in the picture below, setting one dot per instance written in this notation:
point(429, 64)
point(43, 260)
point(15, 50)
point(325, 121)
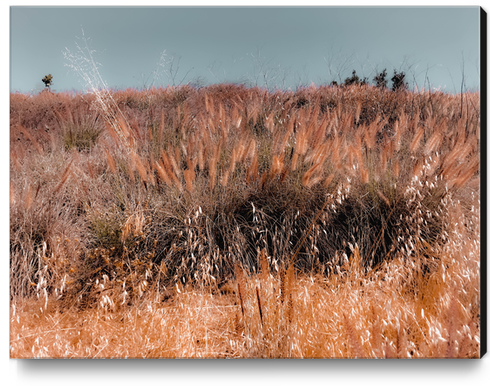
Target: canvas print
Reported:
point(245, 182)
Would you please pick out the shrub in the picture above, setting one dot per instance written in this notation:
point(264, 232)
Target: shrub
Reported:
point(399, 81)
point(380, 79)
point(355, 80)
point(47, 80)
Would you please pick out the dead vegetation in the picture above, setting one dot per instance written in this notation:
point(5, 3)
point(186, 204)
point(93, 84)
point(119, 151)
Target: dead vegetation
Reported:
point(235, 222)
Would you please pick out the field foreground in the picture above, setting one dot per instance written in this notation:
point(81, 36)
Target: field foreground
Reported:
point(231, 222)
point(397, 312)
point(347, 316)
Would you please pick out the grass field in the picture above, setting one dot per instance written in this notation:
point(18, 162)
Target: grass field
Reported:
point(234, 222)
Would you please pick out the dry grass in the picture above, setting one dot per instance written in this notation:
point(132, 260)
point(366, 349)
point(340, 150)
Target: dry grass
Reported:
point(346, 315)
point(234, 222)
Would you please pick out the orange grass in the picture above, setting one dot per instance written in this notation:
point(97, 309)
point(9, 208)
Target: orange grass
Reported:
point(348, 315)
point(231, 222)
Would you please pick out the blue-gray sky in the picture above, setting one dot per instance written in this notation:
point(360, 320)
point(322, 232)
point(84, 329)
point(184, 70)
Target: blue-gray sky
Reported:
point(284, 46)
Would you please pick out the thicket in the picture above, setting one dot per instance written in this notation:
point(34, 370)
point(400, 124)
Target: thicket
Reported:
point(380, 81)
point(192, 182)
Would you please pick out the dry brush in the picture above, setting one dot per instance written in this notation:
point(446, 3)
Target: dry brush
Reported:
point(334, 222)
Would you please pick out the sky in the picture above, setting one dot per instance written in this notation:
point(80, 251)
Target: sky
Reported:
point(283, 47)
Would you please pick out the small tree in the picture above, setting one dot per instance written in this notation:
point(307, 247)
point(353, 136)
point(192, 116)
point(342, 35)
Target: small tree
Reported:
point(380, 79)
point(399, 81)
point(355, 80)
point(47, 80)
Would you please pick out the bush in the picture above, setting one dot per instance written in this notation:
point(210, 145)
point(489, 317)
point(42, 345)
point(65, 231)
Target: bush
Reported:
point(398, 80)
point(355, 80)
point(380, 79)
point(47, 80)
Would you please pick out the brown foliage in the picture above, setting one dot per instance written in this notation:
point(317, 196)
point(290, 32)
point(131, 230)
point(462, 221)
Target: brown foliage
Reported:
point(340, 193)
